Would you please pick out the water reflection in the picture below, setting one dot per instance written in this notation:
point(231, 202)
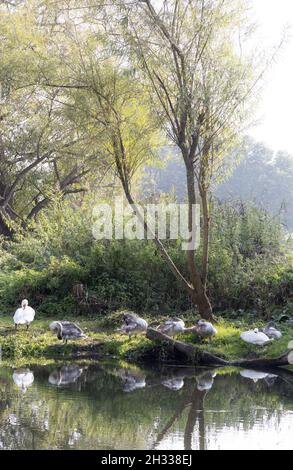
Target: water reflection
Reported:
point(106, 406)
point(270, 379)
point(205, 381)
point(132, 378)
point(23, 378)
point(173, 383)
point(66, 375)
point(253, 375)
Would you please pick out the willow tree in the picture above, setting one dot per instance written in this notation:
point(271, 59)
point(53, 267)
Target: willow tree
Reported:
point(191, 61)
point(44, 152)
point(187, 60)
point(111, 106)
point(201, 83)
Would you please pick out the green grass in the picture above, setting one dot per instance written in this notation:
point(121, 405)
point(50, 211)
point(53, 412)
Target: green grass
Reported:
point(228, 344)
point(39, 344)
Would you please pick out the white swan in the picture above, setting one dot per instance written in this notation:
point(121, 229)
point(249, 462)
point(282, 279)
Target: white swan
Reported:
point(271, 331)
point(23, 378)
point(172, 327)
point(24, 315)
point(255, 337)
point(133, 325)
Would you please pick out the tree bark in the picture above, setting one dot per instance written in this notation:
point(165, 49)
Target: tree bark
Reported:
point(195, 289)
point(198, 279)
point(204, 358)
point(195, 355)
point(4, 228)
point(263, 363)
point(206, 235)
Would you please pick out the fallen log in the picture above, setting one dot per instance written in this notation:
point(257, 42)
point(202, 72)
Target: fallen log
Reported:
point(204, 358)
point(195, 355)
point(264, 363)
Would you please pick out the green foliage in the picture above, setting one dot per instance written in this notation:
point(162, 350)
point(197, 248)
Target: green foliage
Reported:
point(250, 261)
point(250, 268)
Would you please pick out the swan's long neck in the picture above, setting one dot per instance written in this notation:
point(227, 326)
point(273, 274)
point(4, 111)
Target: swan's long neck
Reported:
point(60, 328)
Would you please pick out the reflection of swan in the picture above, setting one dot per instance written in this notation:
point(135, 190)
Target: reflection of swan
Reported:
point(133, 379)
point(24, 315)
point(132, 383)
point(66, 330)
point(253, 375)
point(13, 419)
point(174, 383)
point(133, 324)
point(271, 331)
point(66, 375)
point(205, 381)
point(270, 379)
point(172, 327)
point(255, 337)
point(23, 378)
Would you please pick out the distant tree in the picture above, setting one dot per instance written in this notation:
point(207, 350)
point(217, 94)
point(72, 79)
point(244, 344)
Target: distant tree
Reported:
point(264, 178)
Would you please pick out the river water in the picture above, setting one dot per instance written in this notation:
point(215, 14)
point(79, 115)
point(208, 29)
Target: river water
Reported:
point(112, 406)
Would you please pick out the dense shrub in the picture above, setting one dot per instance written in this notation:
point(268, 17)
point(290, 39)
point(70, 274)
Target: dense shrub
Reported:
point(249, 266)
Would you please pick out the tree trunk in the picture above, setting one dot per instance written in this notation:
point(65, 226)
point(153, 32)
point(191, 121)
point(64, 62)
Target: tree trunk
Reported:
point(4, 228)
point(198, 279)
point(204, 358)
point(195, 289)
point(194, 354)
point(206, 235)
point(203, 304)
point(264, 363)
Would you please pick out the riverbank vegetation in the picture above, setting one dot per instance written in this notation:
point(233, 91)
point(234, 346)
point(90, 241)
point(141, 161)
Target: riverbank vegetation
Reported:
point(87, 104)
point(250, 267)
point(39, 344)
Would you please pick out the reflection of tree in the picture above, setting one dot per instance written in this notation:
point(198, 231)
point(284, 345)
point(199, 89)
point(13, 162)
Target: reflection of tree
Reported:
point(162, 434)
point(238, 398)
point(195, 402)
point(196, 414)
point(95, 413)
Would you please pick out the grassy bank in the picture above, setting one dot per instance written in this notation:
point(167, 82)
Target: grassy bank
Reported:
point(39, 344)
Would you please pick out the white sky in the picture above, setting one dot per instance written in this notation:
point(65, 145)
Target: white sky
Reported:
point(275, 114)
